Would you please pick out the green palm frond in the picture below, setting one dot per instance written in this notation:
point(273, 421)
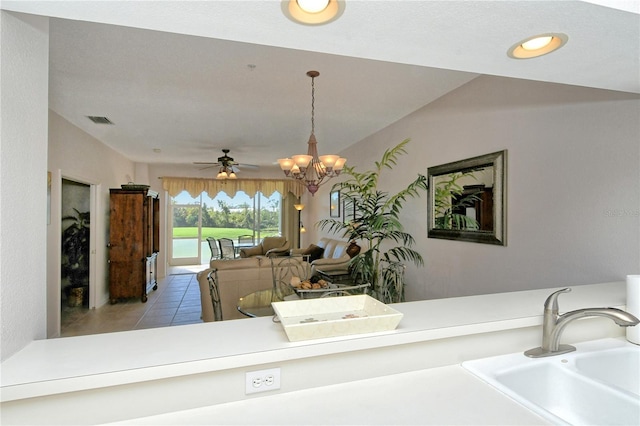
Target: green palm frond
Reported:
point(377, 222)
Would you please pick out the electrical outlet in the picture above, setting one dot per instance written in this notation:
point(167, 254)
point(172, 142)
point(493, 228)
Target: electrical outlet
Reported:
point(262, 380)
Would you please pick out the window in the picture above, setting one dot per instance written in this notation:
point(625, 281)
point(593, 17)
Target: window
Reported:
point(195, 219)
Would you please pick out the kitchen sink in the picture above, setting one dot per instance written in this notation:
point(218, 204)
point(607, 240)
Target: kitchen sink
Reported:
point(617, 367)
point(598, 384)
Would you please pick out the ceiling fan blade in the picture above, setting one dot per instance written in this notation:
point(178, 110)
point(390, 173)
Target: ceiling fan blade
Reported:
point(211, 166)
point(248, 166)
point(226, 161)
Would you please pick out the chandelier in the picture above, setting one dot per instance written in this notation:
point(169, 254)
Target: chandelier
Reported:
point(310, 169)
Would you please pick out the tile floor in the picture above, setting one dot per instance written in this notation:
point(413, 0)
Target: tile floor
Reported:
point(176, 302)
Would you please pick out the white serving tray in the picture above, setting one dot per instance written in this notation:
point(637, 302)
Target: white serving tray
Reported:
point(335, 316)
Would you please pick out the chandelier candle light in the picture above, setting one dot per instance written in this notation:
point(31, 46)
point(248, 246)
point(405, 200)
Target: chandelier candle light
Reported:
point(310, 169)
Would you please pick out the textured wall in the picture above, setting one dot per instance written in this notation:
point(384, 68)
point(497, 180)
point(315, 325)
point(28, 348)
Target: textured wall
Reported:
point(23, 179)
point(75, 155)
point(573, 186)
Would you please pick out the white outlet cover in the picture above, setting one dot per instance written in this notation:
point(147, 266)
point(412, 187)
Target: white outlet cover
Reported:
point(269, 380)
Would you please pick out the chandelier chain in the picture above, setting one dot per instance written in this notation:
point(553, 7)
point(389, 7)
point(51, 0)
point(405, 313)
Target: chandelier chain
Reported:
point(313, 109)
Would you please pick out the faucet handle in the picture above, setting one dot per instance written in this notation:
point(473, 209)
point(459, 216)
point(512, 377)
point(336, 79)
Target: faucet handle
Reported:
point(551, 304)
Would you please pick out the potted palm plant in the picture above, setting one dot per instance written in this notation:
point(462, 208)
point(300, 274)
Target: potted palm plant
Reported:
point(377, 226)
point(75, 256)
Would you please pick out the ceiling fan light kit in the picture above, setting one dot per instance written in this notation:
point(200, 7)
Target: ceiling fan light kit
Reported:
point(226, 169)
point(227, 165)
point(310, 169)
point(226, 173)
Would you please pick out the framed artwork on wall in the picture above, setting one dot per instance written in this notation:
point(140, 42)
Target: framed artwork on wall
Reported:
point(334, 204)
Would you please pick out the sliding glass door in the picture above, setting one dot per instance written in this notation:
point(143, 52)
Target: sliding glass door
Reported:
point(186, 230)
point(245, 220)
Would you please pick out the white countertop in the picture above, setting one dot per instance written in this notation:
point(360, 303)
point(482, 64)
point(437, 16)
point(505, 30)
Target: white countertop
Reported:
point(437, 396)
point(44, 367)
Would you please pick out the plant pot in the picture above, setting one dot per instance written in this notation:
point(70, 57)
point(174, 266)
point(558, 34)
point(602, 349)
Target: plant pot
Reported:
point(75, 297)
point(353, 249)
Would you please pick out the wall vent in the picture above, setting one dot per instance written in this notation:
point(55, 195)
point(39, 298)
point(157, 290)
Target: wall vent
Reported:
point(99, 120)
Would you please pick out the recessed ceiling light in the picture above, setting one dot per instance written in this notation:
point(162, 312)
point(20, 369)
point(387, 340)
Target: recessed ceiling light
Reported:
point(313, 6)
point(538, 45)
point(312, 12)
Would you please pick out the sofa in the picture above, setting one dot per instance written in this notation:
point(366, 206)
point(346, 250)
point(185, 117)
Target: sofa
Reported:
point(239, 277)
point(334, 255)
point(270, 246)
point(236, 278)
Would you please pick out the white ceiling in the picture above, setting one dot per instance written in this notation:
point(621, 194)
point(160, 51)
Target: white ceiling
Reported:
point(191, 78)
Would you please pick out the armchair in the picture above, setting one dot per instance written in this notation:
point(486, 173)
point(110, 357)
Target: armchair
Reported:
point(270, 246)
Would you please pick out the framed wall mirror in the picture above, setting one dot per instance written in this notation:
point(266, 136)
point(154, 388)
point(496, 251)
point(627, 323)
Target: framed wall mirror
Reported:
point(467, 200)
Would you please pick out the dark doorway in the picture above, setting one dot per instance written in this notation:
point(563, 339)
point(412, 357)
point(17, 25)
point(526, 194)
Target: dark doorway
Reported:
point(75, 249)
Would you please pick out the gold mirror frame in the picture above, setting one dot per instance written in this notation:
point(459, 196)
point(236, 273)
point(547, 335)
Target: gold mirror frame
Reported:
point(498, 230)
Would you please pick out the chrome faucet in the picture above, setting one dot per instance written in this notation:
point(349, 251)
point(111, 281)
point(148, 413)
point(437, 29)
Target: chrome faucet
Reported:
point(554, 324)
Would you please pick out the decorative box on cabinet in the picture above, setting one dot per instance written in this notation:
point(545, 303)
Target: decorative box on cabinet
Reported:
point(133, 243)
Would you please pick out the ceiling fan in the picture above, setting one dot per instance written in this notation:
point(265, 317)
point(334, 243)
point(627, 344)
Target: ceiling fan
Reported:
point(228, 166)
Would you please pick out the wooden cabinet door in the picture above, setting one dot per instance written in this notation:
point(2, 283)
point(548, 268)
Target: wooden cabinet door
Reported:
point(126, 280)
point(127, 252)
point(126, 236)
point(133, 240)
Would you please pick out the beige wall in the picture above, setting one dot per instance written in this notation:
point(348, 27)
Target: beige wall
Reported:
point(573, 187)
point(75, 155)
point(23, 179)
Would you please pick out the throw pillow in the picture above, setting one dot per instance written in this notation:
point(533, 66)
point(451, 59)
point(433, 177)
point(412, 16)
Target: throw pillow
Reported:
point(315, 252)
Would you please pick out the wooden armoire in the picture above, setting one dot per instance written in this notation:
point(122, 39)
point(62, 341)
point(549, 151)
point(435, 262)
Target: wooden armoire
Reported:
point(134, 241)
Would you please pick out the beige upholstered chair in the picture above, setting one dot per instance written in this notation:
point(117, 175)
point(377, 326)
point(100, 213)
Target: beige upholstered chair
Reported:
point(270, 246)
